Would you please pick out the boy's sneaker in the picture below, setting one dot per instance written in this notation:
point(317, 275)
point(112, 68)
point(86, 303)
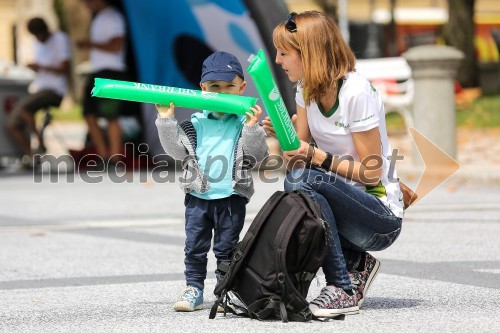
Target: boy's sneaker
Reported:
point(333, 301)
point(231, 301)
point(362, 280)
point(190, 299)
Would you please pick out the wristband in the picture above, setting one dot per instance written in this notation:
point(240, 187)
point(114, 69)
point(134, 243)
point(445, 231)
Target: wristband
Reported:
point(327, 163)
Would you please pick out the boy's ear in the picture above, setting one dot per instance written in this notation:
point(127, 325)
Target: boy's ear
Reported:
point(202, 86)
point(243, 86)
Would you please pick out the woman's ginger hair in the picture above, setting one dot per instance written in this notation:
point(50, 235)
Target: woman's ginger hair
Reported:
point(325, 56)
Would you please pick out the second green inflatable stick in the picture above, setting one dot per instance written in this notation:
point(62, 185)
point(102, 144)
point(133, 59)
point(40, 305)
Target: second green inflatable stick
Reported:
point(272, 100)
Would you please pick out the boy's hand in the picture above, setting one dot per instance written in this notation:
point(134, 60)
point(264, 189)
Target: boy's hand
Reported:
point(165, 111)
point(253, 119)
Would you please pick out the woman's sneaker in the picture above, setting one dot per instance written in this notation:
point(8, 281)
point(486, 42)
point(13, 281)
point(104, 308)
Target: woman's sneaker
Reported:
point(190, 299)
point(333, 301)
point(362, 280)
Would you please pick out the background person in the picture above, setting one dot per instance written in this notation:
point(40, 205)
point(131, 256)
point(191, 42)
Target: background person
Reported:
point(345, 116)
point(107, 60)
point(52, 64)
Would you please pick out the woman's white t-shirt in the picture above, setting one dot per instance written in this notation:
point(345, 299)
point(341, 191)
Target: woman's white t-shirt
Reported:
point(359, 109)
point(108, 24)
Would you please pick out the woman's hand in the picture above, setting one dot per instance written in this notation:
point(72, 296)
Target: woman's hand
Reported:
point(165, 111)
point(253, 118)
point(298, 158)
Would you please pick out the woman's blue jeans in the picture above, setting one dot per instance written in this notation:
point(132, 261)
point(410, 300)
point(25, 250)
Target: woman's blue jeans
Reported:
point(358, 221)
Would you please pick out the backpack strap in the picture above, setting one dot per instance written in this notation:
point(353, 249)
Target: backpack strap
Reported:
point(287, 228)
point(232, 308)
point(303, 316)
point(242, 247)
point(271, 305)
point(259, 221)
point(213, 310)
point(311, 204)
point(223, 267)
point(304, 276)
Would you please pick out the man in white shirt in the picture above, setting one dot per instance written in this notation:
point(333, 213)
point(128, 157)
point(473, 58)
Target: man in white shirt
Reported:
point(52, 64)
point(107, 59)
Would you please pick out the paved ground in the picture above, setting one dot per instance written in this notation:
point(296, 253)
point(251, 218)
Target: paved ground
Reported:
point(477, 151)
point(77, 257)
point(108, 257)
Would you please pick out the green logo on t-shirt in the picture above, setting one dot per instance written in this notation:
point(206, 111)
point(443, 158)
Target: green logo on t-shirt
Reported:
point(339, 124)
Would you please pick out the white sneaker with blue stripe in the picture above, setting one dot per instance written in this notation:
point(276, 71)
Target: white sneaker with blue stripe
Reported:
point(190, 299)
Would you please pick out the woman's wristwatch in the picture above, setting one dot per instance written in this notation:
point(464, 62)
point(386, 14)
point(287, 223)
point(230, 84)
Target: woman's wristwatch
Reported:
point(326, 164)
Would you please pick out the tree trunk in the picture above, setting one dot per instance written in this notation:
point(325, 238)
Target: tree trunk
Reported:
point(75, 18)
point(329, 7)
point(393, 42)
point(459, 33)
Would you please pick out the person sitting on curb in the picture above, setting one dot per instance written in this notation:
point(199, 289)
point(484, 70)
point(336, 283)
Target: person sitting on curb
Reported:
point(52, 64)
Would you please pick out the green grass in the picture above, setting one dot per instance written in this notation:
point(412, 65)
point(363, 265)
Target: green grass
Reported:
point(484, 112)
point(73, 115)
point(395, 122)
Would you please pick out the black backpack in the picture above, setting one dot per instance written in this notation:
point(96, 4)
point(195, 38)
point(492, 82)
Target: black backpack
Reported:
point(273, 265)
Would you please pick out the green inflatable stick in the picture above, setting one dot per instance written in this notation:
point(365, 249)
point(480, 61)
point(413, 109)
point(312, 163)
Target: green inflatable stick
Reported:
point(188, 98)
point(272, 100)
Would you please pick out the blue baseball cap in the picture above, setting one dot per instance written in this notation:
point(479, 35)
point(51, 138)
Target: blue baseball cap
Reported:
point(221, 66)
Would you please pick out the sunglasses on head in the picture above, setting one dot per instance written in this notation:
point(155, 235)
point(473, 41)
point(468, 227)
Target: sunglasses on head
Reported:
point(290, 23)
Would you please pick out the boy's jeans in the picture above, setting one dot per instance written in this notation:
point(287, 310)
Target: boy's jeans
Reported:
point(226, 217)
point(358, 221)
